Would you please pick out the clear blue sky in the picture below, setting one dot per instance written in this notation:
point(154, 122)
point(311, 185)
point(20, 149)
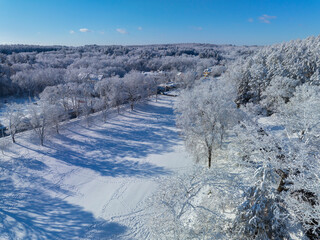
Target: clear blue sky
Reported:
point(104, 22)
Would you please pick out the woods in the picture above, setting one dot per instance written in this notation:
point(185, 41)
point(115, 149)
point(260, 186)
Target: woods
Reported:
point(259, 122)
point(248, 116)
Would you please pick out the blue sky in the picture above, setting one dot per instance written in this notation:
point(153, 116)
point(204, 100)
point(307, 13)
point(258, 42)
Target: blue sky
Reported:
point(104, 22)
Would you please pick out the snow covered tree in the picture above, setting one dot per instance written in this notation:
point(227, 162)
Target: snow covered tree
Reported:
point(297, 60)
point(195, 207)
point(117, 95)
point(302, 193)
point(261, 215)
point(56, 115)
point(278, 93)
point(300, 118)
point(187, 79)
point(301, 115)
point(293, 189)
point(103, 88)
point(39, 115)
point(204, 114)
point(14, 117)
point(134, 88)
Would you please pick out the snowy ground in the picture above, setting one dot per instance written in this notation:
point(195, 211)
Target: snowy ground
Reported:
point(23, 102)
point(89, 182)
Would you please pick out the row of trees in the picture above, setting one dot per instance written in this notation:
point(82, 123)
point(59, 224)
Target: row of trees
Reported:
point(64, 101)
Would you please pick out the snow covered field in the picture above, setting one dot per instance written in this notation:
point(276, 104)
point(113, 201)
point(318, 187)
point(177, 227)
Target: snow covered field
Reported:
point(90, 181)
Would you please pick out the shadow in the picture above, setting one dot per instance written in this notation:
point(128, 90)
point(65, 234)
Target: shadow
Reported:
point(30, 163)
point(276, 128)
point(27, 211)
point(109, 150)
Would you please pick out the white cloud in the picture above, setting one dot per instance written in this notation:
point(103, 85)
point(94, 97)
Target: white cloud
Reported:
point(72, 32)
point(266, 18)
point(121, 30)
point(140, 28)
point(250, 20)
point(84, 30)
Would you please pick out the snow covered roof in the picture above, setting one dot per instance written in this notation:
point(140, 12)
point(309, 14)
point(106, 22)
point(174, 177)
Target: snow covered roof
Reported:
point(91, 76)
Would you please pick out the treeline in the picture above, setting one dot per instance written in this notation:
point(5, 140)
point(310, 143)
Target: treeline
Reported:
point(70, 100)
point(271, 76)
point(19, 48)
point(28, 70)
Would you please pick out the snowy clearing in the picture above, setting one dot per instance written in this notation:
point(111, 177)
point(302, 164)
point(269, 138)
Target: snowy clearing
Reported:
point(89, 182)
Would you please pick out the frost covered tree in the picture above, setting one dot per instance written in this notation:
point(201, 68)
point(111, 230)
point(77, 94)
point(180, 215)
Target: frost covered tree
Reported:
point(196, 207)
point(262, 213)
point(14, 117)
point(103, 88)
point(57, 94)
point(134, 88)
point(296, 60)
point(187, 79)
point(204, 114)
point(56, 116)
point(39, 115)
point(302, 193)
point(278, 93)
point(261, 216)
point(291, 167)
point(300, 118)
point(301, 115)
point(117, 94)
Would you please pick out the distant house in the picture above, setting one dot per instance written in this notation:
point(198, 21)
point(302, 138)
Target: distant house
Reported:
point(207, 72)
point(149, 73)
point(165, 87)
point(179, 74)
point(90, 77)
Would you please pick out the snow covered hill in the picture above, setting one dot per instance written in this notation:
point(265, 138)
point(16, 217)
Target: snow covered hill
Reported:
point(90, 181)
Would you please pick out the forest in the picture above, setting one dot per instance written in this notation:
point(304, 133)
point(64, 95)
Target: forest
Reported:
point(256, 128)
point(248, 116)
point(28, 70)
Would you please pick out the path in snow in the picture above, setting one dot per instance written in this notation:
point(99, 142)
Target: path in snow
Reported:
point(89, 182)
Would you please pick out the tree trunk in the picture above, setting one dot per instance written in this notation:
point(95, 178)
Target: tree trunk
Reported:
point(42, 129)
point(13, 138)
point(283, 176)
point(209, 156)
point(104, 115)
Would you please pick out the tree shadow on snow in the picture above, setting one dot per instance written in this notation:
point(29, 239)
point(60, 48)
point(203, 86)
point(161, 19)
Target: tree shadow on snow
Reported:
point(109, 150)
point(27, 211)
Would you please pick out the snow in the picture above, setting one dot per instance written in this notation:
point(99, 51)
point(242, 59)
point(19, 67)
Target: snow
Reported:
point(23, 103)
point(89, 182)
